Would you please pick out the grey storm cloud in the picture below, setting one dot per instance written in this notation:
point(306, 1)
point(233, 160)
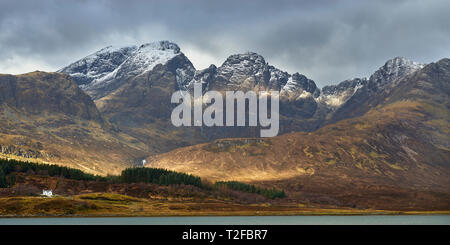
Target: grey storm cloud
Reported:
point(328, 41)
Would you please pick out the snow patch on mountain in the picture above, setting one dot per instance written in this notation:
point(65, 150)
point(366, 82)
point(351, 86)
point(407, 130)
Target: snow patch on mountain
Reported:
point(104, 68)
point(392, 70)
point(299, 86)
point(385, 78)
point(335, 95)
point(147, 56)
point(290, 85)
point(98, 64)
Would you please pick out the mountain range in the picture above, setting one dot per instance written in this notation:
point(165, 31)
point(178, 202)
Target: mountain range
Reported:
point(381, 141)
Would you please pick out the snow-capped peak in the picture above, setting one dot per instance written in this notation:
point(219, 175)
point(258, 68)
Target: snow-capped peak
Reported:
point(147, 56)
point(249, 71)
point(161, 45)
point(242, 65)
point(394, 69)
point(402, 62)
point(299, 86)
point(385, 78)
point(98, 64)
point(112, 63)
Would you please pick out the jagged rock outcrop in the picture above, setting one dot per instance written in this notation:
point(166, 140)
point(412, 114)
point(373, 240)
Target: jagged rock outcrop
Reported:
point(246, 72)
point(333, 96)
point(393, 70)
point(18, 151)
point(375, 90)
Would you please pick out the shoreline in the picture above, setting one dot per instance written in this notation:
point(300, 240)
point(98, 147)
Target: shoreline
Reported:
point(381, 213)
point(115, 205)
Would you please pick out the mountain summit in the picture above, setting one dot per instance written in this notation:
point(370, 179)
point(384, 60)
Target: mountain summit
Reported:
point(391, 71)
point(105, 70)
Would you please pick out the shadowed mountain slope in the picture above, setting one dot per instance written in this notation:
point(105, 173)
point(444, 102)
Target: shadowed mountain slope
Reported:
point(46, 117)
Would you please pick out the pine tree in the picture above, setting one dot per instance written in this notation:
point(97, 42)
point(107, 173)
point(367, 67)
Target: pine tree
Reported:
point(3, 183)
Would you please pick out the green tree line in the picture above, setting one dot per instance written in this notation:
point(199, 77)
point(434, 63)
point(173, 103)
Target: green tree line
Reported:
point(158, 176)
point(9, 168)
point(13, 166)
point(238, 186)
point(129, 175)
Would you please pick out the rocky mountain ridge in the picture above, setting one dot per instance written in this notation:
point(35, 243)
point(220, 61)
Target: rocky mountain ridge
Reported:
point(135, 95)
point(97, 73)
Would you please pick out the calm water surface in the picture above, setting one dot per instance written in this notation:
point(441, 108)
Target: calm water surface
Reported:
point(240, 220)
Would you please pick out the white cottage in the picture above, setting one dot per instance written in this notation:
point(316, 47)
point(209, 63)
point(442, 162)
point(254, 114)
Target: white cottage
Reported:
point(47, 193)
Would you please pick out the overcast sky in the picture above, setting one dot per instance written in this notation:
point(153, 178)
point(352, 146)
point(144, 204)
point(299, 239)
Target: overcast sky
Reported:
point(328, 41)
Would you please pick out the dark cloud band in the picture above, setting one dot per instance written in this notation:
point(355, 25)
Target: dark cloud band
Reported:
point(326, 41)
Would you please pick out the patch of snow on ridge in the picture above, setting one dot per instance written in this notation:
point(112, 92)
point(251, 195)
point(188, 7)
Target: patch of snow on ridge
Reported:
point(119, 61)
point(336, 95)
point(106, 68)
point(304, 94)
point(98, 64)
point(182, 78)
point(290, 85)
point(149, 55)
point(104, 79)
point(332, 100)
point(393, 70)
point(299, 87)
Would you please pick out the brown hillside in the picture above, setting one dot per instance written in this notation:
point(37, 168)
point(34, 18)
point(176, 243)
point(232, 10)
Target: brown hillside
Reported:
point(393, 153)
point(46, 117)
